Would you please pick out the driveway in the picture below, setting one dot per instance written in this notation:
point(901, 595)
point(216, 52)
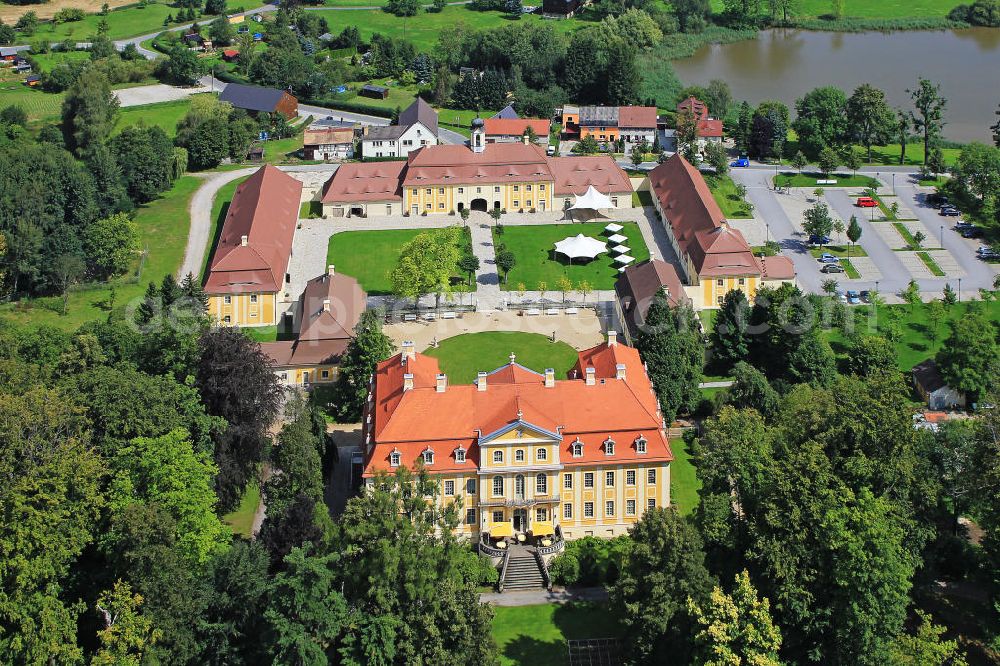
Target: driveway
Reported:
point(161, 92)
point(201, 220)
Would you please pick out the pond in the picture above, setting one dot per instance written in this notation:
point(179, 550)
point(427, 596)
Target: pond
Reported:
point(785, 64)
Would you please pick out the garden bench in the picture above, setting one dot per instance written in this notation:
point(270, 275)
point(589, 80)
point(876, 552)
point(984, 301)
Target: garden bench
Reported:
point(449, 315)
point(410, 317)
point(572, 311)
point(531, 312)
point(552, 311)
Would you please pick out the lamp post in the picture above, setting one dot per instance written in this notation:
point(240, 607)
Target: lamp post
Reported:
point(959, 290)
point(894, 183)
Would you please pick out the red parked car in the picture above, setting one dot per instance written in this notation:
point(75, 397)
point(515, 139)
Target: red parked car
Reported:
point(866, 202)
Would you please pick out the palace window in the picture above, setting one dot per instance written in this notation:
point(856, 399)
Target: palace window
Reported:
point(742, 281)
point(541, 454)
point(541, 514)
point(588, 509)
point(640, 444)
point(651, 503)
point(516, 203)
point(528, 203)
point(228, 300)
point(609, 447)
point(428, 457)
point(498, 516)
point(650, 476)
point(441, 205)
point(325, 374)
point(394, 459)
point(470, 486)
point(428, 206)
point(460, 455)
point(253, 298)
point(630, 477)
point(461, 190)
point(517, 188)
point(588, 479)
point(497, 457)
point(414, 192)
point(541, 484)
point(609, 479)
point(609, 508)
point(567, 510)
point(428, 191)
point(527, 187)
point(440, 190)
point(519, 455)
point(541, 188)
point(470, 516)
point(496, 189)
point(629, 507)
point(449, 488)
point(227, 319)
point(577, 449)
point(720, 282)
point(568, 481)
point(497, 485)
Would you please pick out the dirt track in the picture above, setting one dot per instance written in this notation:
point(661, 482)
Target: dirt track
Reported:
point(10, 13)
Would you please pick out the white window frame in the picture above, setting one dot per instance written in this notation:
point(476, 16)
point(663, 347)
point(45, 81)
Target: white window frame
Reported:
point(630, 477)
point(609, 479)
point(588, 509)
point(651, 503)
point(651, 476)
point(498, 481)
point(577, 449)
point(640, 444)
point(630, 507)
point(460, 455)
point(609, 508)
point(541, 454)
point(449, 488)
point(428, 457)
point(494, 517)
point(588, 479)
point(567, 510)
point(227, 300)
point(394, 459)
point(518, 455)
point(498, 457)
point(568, 481)
point(541, 484)
point(541, 514)
point(609, 447)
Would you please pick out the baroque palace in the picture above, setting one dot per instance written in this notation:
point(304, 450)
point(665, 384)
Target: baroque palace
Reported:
point(524, 452)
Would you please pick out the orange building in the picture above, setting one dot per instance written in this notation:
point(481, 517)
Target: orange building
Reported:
point(525, 453)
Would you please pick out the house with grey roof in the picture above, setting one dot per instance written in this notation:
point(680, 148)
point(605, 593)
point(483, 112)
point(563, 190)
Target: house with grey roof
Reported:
point(256, 99)
point(417, 127)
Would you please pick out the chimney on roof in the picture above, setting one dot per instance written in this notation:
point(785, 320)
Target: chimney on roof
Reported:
point(620, 371)
point(612, 338)
point(407, 382)
point(591, 376)
point(524, 139)
point(330, 270)
point(243, 240)
point(481, 381)
point(326, 305)
point(550, 377)
point(408, 350)
point(442, 383)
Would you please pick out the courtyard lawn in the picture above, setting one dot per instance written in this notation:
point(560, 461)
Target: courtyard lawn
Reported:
point(241, 520)
point(536, 261)
point(916, 343)
point(164, 115)
point(724, 190)
point(369, 257)
point(424, 29)
point(37, 104)
point(163, 230)
point(839, 251)
point(464, 356)
point(529, 635)
point(684, 483)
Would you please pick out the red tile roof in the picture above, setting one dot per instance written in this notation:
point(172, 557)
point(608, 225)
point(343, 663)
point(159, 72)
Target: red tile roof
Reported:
point(697, 221)
point(367, 181)
point(264, 211)
point(327, 135)
point(573, 175)
point(498, 163)
point(410, 421)
point(637, 116)
point(710, 129)
point(516, 126)
point(777, 268)
point(696, 106)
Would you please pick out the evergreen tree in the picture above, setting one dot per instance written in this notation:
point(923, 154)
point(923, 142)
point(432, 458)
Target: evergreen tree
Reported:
point(366, 349)
point(622, 76)
point(729, 338)
point(670, 343)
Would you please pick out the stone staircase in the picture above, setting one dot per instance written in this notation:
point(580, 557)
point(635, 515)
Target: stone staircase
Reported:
point(523, 571)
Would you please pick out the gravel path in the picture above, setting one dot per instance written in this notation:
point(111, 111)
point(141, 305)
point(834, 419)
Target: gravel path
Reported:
point(201, 220)
point(534, 597)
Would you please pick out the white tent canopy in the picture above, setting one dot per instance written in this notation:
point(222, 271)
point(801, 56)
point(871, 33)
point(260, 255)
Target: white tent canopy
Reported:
point(580, 247)
point(592, 200)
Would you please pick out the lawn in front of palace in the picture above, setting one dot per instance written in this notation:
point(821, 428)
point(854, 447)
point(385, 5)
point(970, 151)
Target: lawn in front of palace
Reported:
point(369, 257)
point(533, 245)
point(538, 634)
point(464, 356)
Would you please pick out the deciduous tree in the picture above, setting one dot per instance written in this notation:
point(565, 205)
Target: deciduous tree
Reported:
point(737, 628)
point(670, 343)
point(929, 114)
point(368, 346)
point(870, 119)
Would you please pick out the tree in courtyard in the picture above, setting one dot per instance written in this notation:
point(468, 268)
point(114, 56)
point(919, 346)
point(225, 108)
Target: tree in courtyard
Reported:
point(828, 161)
point(799, 161)
point(751, 390)
point(737, 628)
point(918, 239)
point(935, 315)
point(426, 264)
point(911, 295)
point(88, 111)
point(127, 634)
point(464, 214)
point(741, 137)
point(670, 344)
point(948, 296)
point(469, 263)
point(817, 220)
point(830, 287)
point(716, 157)
point(367, 348)
point(853, 232)
point(564, 285)
point(729, 337)
point(237, 383)
point(902, 133)
point(637, 155)
point(838, 226)
point(929, 114)
point(687, 134)
point(653, 607)
point(506, 260)
point(820, 121)
point(851, 160)
point(970, 357)
point(870, 119)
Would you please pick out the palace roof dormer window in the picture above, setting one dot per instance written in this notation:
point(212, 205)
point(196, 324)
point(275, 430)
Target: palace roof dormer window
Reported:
point(460, 455)
point(640, 444)
point(578, 448)
point(609, 447)
point(394, 458)
point(428, 455)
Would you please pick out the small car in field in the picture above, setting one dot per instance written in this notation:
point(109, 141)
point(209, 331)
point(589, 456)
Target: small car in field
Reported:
point(818, 240)
point(832, 268)
point(866, 202)
point(973, 232)
point(962, 225)
point(740, 162)
point(853, 297)
point(827, 258)
point(936, 200)
point(950, 211)
point(866, 296)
